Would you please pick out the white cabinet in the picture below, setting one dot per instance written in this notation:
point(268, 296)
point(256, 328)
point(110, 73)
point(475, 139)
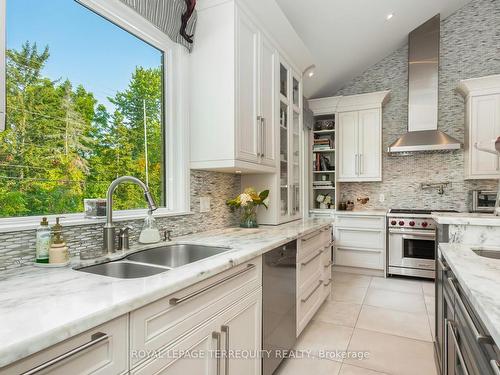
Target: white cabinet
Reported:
point(99, 351)
point(236, 329)
point(313, 274)
point(360, 145)
point(482, 117)
point(360, 241)
point(247, 92)
point(233, 89)
point(285, 186)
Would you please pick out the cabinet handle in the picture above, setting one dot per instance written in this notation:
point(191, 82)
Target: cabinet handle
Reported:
point(356, 164)
point(95, 339)
point(307, 238)
point(311, 259)
point(259, 136)
point(478, 337)
point(495, 366)
point(459, 351)
point(360, 161)
point(330, 263)
point(312, 292)
point(216, 337)
point(176, 301)
point(443, 267)
point(262, 136)
point(328, 283)
point(225, 329)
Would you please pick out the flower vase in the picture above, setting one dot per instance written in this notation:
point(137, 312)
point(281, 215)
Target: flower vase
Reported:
point(249, 217)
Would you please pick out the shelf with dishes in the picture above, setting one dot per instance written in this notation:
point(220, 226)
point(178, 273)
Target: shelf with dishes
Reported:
point(323, 182)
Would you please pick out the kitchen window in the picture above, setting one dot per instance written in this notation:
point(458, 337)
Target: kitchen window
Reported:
point(88, 96)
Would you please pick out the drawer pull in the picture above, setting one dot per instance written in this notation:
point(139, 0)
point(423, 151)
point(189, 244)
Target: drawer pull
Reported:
point(495, 366)
point(312, 258)
point(216, 337)
point(478, 337)
point(328, 283)
point(225, 329)
point(176, 301)
point(95, 339)
point(329, 245)
point(307, 238)
point(443, 267)
point(457, 347)
point(330, 263)
point(312, 292)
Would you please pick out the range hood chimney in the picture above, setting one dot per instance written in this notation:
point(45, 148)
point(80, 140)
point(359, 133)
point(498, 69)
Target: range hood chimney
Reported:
point(423, 69)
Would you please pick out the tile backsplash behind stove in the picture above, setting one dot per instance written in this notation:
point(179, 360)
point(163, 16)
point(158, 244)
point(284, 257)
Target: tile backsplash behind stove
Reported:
point(18, 248)
point(469, 48)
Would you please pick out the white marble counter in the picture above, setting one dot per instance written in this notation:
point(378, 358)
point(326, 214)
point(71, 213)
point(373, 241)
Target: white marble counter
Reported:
point(41, 307)
point(466, 218)
point(368, 212)
point(479, 278)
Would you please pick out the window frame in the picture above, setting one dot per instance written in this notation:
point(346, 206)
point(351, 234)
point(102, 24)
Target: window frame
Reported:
point(175, 105)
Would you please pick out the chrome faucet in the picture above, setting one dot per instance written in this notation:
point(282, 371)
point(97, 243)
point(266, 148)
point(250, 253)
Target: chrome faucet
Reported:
point(109, 238)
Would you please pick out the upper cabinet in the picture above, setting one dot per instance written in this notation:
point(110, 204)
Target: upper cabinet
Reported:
point(358, 147)
point(234, 91)
point(482, 119)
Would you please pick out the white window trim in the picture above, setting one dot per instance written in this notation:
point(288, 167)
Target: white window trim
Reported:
point(3, 97)
point(177, 179)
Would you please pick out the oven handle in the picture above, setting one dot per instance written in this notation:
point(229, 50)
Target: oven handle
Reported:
point(420, 233)
point(417, 237)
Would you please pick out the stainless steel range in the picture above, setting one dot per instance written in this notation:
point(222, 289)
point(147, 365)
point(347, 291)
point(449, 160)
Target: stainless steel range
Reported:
point(411, 243)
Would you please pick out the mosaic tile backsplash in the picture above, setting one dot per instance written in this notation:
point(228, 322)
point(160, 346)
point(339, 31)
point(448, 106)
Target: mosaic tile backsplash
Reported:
point(18, 248)
point(470, 47)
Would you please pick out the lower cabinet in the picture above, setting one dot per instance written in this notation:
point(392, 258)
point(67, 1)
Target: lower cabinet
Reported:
point(360, 241)
point(208, 349)
point(100, 351)
point(314, 267)
point(463, 346)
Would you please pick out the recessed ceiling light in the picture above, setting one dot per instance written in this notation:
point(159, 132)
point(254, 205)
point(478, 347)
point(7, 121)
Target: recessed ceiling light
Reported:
point(311, 73)
point(389, 16)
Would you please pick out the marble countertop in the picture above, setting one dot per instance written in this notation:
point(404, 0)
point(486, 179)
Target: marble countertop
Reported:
point(40, 307)
point(479, 278)
point(360, 211)
point(466, 218)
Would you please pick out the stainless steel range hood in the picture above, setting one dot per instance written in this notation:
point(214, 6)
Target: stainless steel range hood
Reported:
point(423, 68)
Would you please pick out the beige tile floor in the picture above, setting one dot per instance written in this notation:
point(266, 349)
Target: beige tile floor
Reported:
point(391, 319)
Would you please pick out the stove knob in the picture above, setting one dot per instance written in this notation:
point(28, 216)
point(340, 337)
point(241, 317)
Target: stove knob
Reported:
point(424, 224)
point(394, 222)
point(401, 223)
point(412, 223)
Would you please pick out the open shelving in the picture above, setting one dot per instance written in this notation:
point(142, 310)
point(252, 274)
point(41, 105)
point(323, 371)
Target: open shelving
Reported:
point(322, 148)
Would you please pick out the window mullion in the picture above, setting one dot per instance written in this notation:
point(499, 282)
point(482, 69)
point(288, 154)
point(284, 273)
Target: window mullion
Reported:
point(2, 64)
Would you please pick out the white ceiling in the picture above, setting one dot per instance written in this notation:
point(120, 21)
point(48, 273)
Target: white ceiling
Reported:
point(345, 37)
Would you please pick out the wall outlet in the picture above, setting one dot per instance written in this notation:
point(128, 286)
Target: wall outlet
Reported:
point(381, 198)
point(204, 204)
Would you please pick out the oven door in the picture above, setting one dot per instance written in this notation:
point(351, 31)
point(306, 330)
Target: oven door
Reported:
point(412, 249)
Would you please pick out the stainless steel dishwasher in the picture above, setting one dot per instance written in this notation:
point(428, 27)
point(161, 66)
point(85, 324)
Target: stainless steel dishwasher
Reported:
point(278, 304)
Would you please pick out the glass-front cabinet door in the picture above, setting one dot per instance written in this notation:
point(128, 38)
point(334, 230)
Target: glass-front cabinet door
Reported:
point(290, 120)
point(284, 140)
point(295, 143)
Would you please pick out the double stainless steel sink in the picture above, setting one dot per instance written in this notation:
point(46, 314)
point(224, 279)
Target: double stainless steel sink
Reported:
point(155, 260)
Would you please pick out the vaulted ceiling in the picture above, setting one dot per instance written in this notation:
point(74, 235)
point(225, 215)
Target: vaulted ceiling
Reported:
point(345, 37)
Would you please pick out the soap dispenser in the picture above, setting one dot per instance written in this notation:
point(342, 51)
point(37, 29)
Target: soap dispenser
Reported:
point(150, 232)
point(42, 242)
point(58, 252)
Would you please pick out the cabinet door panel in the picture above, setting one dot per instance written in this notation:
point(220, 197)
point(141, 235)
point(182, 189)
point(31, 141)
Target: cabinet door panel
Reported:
point(247, 89)
point(370, 144)
point(348, 144)
point(241, 333)
point(268, 87)
point(485, 127)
